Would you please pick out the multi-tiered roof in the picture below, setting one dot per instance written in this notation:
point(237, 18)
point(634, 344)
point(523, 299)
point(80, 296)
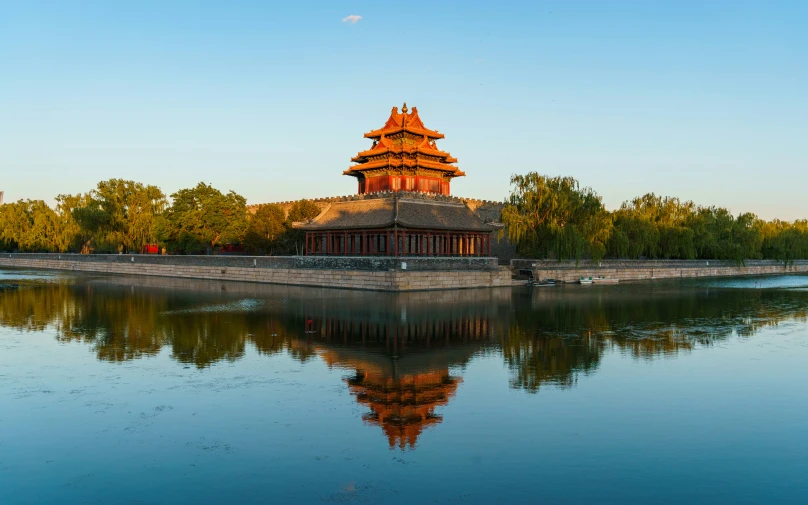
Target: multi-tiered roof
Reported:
point(402, 207)
point(404, 157)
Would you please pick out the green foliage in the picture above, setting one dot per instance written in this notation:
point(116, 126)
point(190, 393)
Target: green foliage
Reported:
point(302, 210)
point(545, 217)
point(72, 236)
point(117, 216)
point(271, 232)
point(555, 217)
point(29, 226)
point(293, 239)
point(785, 241)
point(666, 228)
point(202, 218)
point(265, 230)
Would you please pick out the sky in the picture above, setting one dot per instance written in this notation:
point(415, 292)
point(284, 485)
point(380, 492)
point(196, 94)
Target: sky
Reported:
point(703, 100)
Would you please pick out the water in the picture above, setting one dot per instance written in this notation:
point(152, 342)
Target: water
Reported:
point(161, 391)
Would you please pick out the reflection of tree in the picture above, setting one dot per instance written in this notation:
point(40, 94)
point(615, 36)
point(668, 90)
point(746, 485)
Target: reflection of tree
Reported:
point(536, 360)
point(558, 333)
point(26, 309)
point(549, 337)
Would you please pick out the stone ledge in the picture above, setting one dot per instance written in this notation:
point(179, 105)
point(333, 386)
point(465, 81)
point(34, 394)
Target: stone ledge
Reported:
point(391, 280)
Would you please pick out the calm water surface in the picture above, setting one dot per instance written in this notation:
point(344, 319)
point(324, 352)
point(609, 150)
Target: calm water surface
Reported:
point(156, 391)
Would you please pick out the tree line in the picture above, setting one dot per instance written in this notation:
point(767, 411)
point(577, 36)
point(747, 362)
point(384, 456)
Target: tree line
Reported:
point(126, 216)
point(545, 217)
point(554, 217)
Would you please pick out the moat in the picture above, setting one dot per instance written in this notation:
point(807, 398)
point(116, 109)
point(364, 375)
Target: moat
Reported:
point(118, 389)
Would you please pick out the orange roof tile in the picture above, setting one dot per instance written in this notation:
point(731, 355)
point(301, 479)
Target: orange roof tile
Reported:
point(404, 151)
point(398, 122)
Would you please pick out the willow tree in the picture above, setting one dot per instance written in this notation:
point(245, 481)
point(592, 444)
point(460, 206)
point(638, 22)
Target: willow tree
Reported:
point(29, 226)
point(653, 227)
point(555, 217)
point(785, 241)
point(117, 216)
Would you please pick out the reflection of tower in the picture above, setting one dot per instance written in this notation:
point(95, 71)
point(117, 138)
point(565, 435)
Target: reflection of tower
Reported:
point(403, 406)
point(401, 393)
point(398, 350)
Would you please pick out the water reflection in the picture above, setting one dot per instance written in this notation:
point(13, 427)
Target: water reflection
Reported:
point(402, 353)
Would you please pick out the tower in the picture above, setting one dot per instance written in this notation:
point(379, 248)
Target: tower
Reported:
point(404, 157)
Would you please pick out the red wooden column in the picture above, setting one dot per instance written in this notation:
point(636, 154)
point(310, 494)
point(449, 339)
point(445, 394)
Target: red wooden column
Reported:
point(395, 243)
point(429, 244)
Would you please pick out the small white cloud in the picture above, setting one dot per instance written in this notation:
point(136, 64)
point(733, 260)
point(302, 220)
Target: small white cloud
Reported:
point(353, 19)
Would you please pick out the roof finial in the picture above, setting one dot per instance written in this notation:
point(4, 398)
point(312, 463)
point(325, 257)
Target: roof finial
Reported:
point(404, 108)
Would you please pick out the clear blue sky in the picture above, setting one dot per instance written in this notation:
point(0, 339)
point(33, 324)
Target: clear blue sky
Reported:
point(703, 100)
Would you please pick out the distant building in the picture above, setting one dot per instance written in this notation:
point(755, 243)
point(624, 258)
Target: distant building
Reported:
point(1, 198)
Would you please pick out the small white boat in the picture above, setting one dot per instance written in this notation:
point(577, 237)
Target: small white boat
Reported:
point(586, 280)
point(605, 280)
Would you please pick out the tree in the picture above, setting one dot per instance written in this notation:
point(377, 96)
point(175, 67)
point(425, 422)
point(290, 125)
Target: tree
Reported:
point(202, 218)
point(29, 226)
point(653, 227)
point(292, 240)
point(554, 216)
point(117, 216)
point(265, 229)
point(72, 236)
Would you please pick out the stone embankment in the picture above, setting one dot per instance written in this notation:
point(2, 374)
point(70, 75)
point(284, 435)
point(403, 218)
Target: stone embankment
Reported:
point(378, 274)
point(640, 270)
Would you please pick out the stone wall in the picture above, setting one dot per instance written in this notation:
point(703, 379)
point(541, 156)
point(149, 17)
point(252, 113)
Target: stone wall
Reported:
point(636, 270)
point(421, 273)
